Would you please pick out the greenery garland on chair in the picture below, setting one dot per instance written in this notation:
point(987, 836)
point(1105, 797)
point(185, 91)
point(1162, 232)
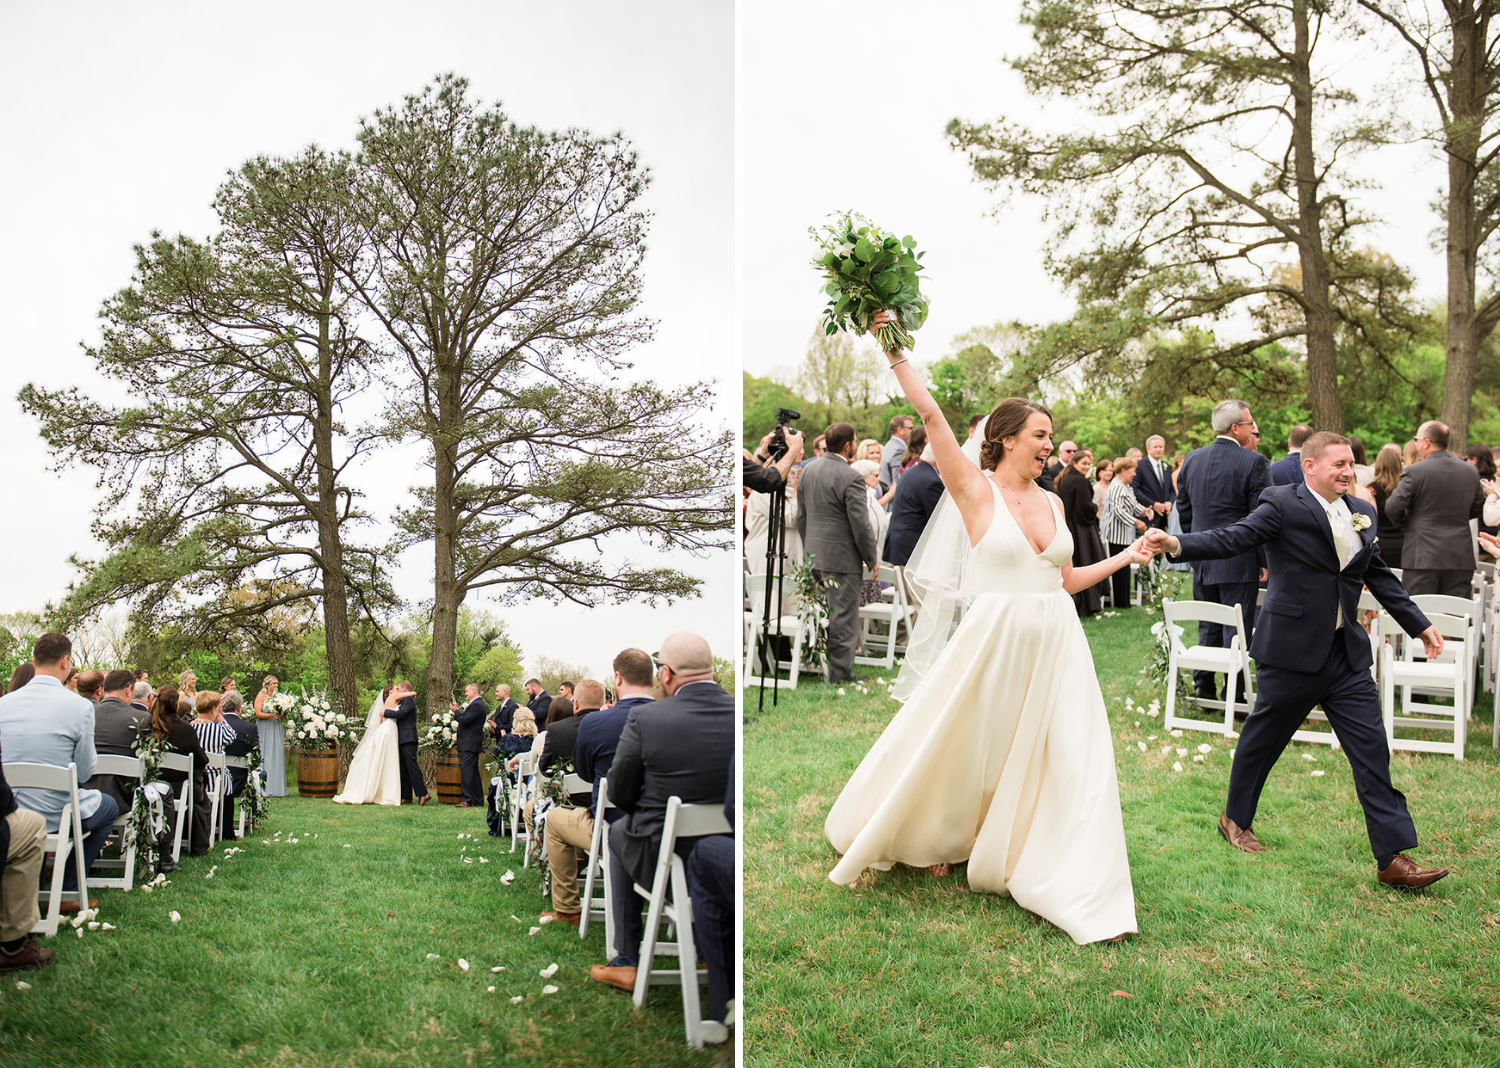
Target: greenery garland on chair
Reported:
point(138, 827)
point(253, 802)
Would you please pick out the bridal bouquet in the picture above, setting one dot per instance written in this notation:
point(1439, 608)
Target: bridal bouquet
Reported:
point(865, 271)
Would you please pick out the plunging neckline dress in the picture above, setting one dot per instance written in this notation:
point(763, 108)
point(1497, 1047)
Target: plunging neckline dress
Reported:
point(1015, 768)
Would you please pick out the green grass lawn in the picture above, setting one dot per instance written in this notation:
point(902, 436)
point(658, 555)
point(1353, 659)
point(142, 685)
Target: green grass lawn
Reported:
point(1296, 956)
point(313, 954)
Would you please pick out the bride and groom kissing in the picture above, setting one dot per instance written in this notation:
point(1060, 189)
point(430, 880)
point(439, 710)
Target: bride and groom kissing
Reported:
point(384, 770)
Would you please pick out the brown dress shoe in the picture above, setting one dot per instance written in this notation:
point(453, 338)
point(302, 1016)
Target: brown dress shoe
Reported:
point(463, 804)
point(27, 955)
point(1242, 838)
point(424, 799)
point(70, 906)
point(620, 978)
point(562, 917)
point(1404, 874)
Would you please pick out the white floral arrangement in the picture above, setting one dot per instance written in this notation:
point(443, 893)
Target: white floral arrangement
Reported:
point(441, 733)
point(312, 722)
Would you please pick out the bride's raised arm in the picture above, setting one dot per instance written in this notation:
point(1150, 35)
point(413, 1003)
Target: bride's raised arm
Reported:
point(960, 477)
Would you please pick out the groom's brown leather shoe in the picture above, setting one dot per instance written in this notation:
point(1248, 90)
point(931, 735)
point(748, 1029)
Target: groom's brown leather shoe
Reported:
point(1242, 838)
point(1404, 874)
point(424, 799)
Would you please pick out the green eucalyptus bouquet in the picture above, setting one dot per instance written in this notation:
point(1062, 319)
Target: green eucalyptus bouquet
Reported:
point(866, 271)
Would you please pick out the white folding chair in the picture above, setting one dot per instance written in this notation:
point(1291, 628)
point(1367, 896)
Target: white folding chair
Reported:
point(894, 610)
point(219, 790)
point(683, 821)
point(790, 624)
point(64, 844)
point(572, 784)
point(126, 767)
point(1472, 609)
point(599, 869)
point(1229, 661)
point(242, 763)
point(1451, 677)
point(518, 799)
point(182, 805)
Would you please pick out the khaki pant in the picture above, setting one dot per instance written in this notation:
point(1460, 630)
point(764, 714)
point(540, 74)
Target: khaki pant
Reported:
point(19, 911)
point(570, 832)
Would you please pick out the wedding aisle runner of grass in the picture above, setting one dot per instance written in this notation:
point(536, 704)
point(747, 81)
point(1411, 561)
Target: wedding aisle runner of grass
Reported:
point(338, 949)
point(1292, 957)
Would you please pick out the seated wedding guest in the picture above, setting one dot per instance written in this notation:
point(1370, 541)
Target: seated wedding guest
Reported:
point(23, 840)
point(522, 733)
point(89, 683)
point(563, 732)
point(140, 693)
point(117, 725)
point(680, 746)
point(43, 723)
point(24, 673)
point(245, 734)
point(570, 831)
point(181, 738)
point(187, 708)
point(711, 886)
point(917, 494)
point(213, 733)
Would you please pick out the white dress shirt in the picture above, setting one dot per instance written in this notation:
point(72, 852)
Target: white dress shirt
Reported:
point(43, 722)
point(1344, 538)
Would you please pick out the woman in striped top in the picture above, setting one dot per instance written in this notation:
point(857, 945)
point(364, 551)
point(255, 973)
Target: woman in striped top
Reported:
point(1122, 520)
point(213, 733)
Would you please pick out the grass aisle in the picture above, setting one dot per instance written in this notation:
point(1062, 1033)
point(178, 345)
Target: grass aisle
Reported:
point(1295, 956)
point(313, 954)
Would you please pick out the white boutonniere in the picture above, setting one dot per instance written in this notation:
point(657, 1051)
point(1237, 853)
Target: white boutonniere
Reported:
point(1361, 521)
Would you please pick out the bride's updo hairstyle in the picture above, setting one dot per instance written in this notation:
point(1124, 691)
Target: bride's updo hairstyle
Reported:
point(1006, 421)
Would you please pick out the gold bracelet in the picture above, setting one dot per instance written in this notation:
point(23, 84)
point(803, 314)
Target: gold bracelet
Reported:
point(897, 363)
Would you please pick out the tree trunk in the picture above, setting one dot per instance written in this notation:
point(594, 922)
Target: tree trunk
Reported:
point(1466, 99)
point(1322, 365)
point(336, 638)
point(448, 594)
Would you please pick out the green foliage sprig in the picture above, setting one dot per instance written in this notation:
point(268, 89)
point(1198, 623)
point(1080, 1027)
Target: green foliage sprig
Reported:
point(138, 828)
point(252, 800)
point(866, 271)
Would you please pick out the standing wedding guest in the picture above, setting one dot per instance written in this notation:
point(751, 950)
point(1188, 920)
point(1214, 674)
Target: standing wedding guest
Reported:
point(565, 689)
point(505, 711)
point(470, 743)
point(117, 725)
point(874, 501)
point(89, 683)
point(227, 683)
point(1410, 454)
point(244, 734)
point(1436, 499)
point(1133, 453)
point(1478, 457)
point(758, 526)
point(818, 447)
point(870, 449)
point(1363, 470)
point(1065, 453)
point(914, 447)
point(1082, 520)
point(540, 701)
point(1221, 484)
point(974, 421)
point(187, 685)
point(182, 739)
point(891, 454)
point(917, 496)
point(1287, 471)
point(1387, 475)
point(1104, 474)
point(680, 746)
point(834, 521)
point(272, 727)
point(42, 723)
point(1153, 481)
point(71, 682)
point(1124, 521)
point(23, 842)
point(24, 673)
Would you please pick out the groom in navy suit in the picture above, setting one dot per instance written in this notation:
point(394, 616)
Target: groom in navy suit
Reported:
point(405, 715)
point(1310, 649)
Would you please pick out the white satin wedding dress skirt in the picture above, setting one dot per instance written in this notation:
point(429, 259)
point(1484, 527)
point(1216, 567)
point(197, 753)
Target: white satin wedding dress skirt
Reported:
point(1001, 757)
point(375, 770)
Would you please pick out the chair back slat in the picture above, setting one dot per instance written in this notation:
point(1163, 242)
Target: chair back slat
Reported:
point(118, 764)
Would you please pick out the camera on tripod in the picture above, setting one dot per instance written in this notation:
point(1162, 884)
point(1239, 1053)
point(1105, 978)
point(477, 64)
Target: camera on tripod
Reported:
point(777, 445)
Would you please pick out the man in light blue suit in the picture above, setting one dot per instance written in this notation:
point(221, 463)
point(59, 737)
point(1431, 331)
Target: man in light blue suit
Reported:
point(44, 722)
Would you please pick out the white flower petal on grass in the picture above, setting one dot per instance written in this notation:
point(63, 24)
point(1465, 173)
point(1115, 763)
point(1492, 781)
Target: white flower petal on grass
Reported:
point(507, 879)
point(498, 968)
point(106, 927)
point(1150, 737)
point(1232, 734)
point(517, 999)
point(546, 920)
point(79, 932)
point(1197, 758)
point(513, 915)
point(468, 860)
point(549, 971)
point(348, 846)
point(1137, 723)
point(841, 691)
point(1317, 774)
point(1142, 746)
point(549, 989)
point(483, 861)
point(1182, 752)
point(93, 925)
point(1165, 750)
point(533, 931)
point(489, 990)
point(1176, 734)
point(432, 956)
point(463, 964)
point(1308, 756)
point(175, 916)
point(1151, 712)
point(1205, 748)
point(1177, 766)
point(21, 985)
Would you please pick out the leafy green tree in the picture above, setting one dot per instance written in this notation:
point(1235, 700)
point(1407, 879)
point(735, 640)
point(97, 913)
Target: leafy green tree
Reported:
point(1213, 147)
point(224, 461)
point(508, 285)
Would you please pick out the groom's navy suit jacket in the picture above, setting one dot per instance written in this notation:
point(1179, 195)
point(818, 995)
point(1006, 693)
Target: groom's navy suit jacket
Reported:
point(405, 715)
point(471, 726)
point(1306, 587)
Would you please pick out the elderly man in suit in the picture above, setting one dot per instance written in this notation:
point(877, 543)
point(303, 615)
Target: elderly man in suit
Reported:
point(1437, 498)
point(1221, 484)
point(117, 724)
point(470, 744)
point(836, 531)
point(1287, 471)
point(405, 715)
point(1311, 650)
point(680, 746)
point(1153, 481)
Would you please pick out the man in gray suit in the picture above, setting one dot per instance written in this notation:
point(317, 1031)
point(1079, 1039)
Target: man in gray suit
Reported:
point(1437, 497)
point(681, 746)
point(837, 533)
point(117, 724)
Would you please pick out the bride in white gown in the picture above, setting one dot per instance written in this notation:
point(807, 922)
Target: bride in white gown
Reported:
point(375, 769)
point(1015, 771)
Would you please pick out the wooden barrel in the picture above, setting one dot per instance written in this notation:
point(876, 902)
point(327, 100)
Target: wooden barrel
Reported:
point(318, 772)
point(449, 780)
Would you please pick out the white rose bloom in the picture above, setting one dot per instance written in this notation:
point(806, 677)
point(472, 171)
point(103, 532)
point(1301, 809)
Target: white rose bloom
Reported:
point(342, 718)
point(307, 710)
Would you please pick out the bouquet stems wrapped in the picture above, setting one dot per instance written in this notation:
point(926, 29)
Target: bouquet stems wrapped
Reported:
point(865, 271)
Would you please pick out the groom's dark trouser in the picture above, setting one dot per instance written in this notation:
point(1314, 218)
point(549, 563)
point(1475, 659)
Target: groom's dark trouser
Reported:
point(1282, 701)
point(468, 777)
point(411, 772)
point(843, 622)
point(1215, 635)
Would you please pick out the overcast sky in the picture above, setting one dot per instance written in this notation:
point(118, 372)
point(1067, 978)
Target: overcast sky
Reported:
point(120, 119)
point(824, 132)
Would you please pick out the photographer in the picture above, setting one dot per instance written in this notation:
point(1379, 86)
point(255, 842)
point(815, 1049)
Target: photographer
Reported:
point(760, 472)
